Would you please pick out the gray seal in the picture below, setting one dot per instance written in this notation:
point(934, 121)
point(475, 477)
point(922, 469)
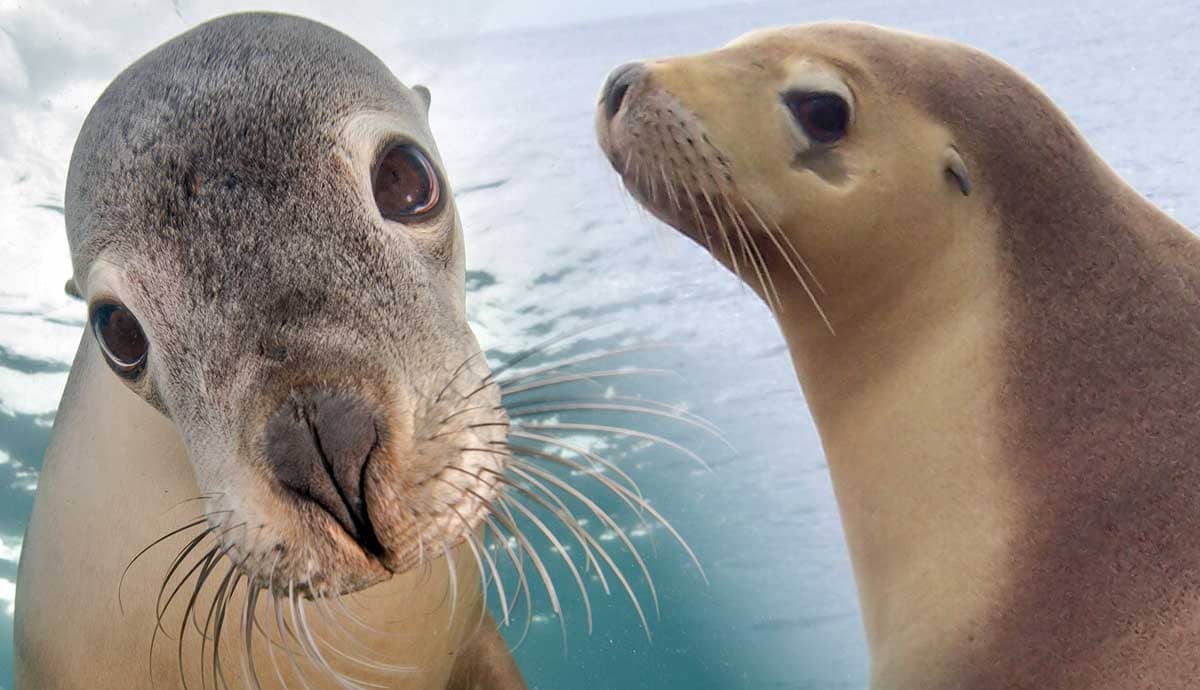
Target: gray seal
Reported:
point(260, 224)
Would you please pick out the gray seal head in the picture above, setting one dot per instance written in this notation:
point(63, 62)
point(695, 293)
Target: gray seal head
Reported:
point(260, 224)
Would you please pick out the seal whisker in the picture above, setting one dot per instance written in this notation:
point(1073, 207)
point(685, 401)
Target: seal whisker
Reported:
point(568, 519)
point(191, 546)
point(611, 564)
point(281, 625)
point(156, 542)
point(723, 231)
point(317, 641)
point(558, 546)
point(522, 581)
point(522, 411)
point(530, 471)
point(774, 237)
point(621, 491)
point(219, 623)
point(208, 624)
point(249, 672)
point(509, 381)
point(590, 377)
point(537, 561)
point(750, 244)
point(452, 574)
point(308, 643)
point(618, 431)
point(529, 433)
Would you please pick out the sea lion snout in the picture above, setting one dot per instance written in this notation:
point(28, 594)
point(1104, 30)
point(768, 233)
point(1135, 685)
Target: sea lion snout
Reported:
point(618, 85)
point(317, 444)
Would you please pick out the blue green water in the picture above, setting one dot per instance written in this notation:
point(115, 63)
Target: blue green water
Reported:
point(553, 245)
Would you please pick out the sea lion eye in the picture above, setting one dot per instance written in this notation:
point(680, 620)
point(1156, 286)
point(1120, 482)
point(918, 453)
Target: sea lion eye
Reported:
point(405, 183)
point(121, 338)
point(824, 117)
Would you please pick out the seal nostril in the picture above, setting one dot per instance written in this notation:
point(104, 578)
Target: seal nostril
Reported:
point(318, 443)
point(617, 86)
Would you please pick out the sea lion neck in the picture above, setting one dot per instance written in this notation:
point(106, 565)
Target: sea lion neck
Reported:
point(904, 395)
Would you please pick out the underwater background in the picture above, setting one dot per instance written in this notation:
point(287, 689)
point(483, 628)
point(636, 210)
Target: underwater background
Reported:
point(554, 246)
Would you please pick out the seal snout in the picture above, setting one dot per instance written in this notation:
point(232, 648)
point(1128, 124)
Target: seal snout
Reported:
point(618, 85)
point(318, 443)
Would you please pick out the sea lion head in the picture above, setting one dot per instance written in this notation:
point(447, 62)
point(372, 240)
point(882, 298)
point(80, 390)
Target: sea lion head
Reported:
point(842, 150)
point(260, 223)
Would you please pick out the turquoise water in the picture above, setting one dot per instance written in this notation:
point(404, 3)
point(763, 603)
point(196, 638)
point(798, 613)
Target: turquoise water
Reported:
point(553, 245)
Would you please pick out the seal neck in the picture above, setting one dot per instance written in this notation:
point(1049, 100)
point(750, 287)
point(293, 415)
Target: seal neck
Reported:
point(903, 396)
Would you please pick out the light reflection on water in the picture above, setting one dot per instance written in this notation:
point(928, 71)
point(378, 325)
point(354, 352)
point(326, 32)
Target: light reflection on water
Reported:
point(553, 245)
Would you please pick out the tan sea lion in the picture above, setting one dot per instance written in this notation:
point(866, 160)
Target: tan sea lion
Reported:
point(1001, 352)
point(278, 410)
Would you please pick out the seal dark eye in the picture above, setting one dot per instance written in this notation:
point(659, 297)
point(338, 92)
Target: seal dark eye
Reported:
point(405, 184)
point(824, 117)
point(121, 338)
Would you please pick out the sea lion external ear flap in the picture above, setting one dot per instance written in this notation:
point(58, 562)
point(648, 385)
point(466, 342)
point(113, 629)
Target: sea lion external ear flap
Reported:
point(72, 290)
point(423, 92)
point(956, 167)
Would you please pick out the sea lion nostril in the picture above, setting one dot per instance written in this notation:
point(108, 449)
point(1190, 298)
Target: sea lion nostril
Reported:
point(618, 84)
point(318, 443)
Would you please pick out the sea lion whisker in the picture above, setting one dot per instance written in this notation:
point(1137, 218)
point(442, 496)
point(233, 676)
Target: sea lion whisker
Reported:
point(744, 244)
point(208, 623)
point(281, 626)
point(156, 542)
point(616, 571)
point(220, 554)
point(723, 232)
point(589, 377)
point(795, 271)
point(161, 607)
point(224, 598)
point(541, 347)
point(554, 541)
point(476, 551)
point(634, 501)
point(567, 518)
point(318, 641)
point(695, 207)
point(774, 230)
point(516, 532)
point(552, 367)
point(457, 372)
point(323, 605)
point(452, 576)
point(530, 471)
point(177, 563)
point(521, 411)
point(618, 431)
point(641, 406)
point(308, 643)
point(465, 410)
point(522, 588)
point(249, 672)
point(480, 425)
point(760, 263)
point(622, 491)
point(537, 561)
point(671, 197)
point(529, 432)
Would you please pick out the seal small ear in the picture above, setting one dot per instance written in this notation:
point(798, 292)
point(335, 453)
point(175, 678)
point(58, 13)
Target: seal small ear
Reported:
point(956, 167)
point(423, 92)
point(72, 289)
